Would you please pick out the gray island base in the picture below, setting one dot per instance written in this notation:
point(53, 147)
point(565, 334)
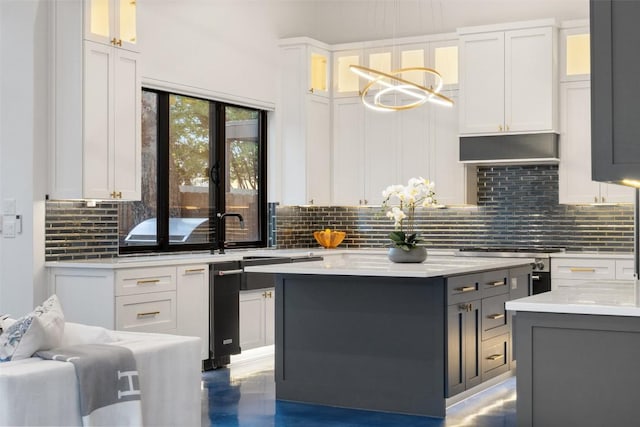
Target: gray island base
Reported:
point(361, 342)
point(579, 356)
point(358, 331)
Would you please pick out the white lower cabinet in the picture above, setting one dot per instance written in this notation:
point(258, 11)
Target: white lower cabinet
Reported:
point(172, 300)
point(568, 272)
point(257, 318)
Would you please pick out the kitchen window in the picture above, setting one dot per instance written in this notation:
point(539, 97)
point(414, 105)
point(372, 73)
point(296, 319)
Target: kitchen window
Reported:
point(200, 158)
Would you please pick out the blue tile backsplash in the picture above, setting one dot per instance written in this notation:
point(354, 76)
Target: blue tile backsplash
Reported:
point(517, 205)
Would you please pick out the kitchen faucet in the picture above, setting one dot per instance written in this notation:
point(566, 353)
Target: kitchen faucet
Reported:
point(221, 217)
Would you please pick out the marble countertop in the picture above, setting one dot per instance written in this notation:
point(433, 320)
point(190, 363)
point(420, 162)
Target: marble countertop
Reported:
point(371, 264)
point(133, 261)
point(612, 298)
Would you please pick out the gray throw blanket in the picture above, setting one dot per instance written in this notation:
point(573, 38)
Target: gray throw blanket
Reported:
point(107, 383)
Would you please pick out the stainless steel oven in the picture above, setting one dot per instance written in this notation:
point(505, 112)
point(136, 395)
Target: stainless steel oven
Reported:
point(541, 274)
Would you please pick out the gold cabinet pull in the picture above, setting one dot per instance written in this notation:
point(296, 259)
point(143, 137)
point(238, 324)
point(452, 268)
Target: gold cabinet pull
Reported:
point(193, 270)
point(270, 294)
point(495, 357)
point(147, 314)
point(466, 289)
point(496, 316)
point(582, 270)
point(498, 283)
point(119, 42)
point(500, 128)
point(146, 282)
point(116, 195)
point(114, 41)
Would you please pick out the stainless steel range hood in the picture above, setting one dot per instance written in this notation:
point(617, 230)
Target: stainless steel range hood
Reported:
point(522, 149)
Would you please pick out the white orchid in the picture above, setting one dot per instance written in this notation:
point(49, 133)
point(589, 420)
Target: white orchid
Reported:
point(418, 192)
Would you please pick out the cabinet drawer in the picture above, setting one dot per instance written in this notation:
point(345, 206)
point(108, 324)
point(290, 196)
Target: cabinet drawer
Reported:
point(583, 269)
point(145, 280)
point(463, 288)
point(494, 316)
point(154, 312)
point(495, 283)
point(495, 357)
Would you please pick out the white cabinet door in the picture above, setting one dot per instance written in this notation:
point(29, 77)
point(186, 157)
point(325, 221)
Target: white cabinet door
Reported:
point(192, 292)
point(252, 317)
point(98, 121)
point(304, 115)
point(380, 151)
point(414, 141)
point(529, 80)
point(482, 83)
point(508, 81)
point(112, 150)
point(127, 179)
point(318, 157)
point(574, 171)
point(348, 152)
point(446, 171)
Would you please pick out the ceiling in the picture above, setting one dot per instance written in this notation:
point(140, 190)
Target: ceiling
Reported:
point(342, 21)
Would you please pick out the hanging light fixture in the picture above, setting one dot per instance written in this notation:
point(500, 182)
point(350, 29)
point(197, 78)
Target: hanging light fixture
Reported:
point(395, 93)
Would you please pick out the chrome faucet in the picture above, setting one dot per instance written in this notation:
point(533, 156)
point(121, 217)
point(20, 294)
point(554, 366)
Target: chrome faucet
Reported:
point(221, 217)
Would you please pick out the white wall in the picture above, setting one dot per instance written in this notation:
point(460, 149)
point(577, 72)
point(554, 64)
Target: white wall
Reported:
point(23, 147)
point(225, 49)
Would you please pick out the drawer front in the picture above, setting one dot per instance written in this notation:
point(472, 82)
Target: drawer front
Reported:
point(154, 312)
point(495, 283)
point(583, 269)
point(463, 288)
point(624, 269)
point(495, 356)
point(494, 316)
point(145, 280)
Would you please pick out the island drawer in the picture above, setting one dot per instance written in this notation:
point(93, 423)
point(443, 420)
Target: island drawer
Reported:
point(494, 316)
point(155, 312)
point(495, 283)
point(463, 288)
point(495, 356)
point(133, 281)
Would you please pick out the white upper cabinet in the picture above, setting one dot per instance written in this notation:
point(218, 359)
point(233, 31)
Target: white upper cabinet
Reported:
point(575, 54)
point(96, 145)
point(304, 121)
point(348, 152)
point(574, 172)
point(508, 80)
point(111, 22)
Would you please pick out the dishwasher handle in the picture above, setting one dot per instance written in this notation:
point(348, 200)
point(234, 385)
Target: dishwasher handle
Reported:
point(227, 272)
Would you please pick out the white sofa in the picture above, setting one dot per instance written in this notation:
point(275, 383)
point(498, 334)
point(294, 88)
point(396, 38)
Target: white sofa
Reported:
point(44, 392)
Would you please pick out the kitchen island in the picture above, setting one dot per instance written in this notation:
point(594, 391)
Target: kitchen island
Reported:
point(578, 353)
point(357, 331)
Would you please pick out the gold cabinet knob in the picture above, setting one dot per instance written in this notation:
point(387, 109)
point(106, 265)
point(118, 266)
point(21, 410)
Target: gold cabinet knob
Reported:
point(500, 128)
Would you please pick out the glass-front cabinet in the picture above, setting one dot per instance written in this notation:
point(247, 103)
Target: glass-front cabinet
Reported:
point(111, 22)
point(575, 53)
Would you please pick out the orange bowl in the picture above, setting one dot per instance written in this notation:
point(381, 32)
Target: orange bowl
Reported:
point(329, 238)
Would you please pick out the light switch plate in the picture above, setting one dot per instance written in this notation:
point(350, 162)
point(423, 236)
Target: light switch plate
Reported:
point(9, 207)
point(8, 226)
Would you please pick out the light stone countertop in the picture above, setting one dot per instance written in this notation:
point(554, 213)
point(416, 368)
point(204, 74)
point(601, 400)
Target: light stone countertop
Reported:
point(134, 261)
point(371, 264)
point(612, 298)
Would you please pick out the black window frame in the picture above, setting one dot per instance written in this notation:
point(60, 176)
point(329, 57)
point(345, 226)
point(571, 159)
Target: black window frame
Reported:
point(217, 162)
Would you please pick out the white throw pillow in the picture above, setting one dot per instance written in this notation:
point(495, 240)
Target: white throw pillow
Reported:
point(76, 334)
point(41, 329)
